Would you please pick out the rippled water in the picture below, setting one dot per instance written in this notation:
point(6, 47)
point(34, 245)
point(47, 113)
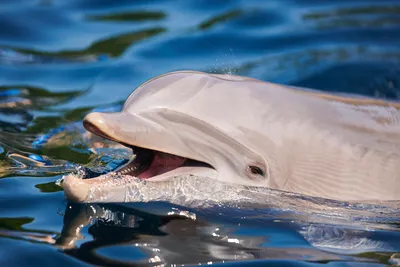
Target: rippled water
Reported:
point(60, 60)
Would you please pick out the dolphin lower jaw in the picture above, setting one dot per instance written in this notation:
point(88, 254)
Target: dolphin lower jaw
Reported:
point(145, 165)
point(190, 190)
point(123, 188)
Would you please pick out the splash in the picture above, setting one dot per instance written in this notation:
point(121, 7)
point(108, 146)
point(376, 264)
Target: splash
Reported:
point(193, 191)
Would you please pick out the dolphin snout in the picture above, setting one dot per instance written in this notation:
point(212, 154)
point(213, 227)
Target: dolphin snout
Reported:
point(95, 123)
point(106, 125)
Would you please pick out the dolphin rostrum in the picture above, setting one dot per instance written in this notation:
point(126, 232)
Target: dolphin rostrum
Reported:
point(247, 132)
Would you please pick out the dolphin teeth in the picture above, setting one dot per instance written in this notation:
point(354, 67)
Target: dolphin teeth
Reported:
point(127, 169)
point(141, 160)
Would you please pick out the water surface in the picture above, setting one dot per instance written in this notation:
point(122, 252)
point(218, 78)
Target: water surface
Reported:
point(61, 59)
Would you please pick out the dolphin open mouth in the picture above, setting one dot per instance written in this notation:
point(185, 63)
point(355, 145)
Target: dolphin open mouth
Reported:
point(147, 163)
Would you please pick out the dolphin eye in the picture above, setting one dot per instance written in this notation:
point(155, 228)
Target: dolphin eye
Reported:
point(255, 170)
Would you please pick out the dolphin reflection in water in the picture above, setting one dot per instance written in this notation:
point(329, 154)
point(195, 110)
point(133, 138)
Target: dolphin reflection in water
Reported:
point(126, 234)
point(176, 235)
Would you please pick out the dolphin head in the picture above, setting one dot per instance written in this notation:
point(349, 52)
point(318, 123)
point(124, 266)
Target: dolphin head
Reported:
point(187, 124)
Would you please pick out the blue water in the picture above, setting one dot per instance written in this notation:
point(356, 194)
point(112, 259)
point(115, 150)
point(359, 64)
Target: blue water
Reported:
point(60, 59)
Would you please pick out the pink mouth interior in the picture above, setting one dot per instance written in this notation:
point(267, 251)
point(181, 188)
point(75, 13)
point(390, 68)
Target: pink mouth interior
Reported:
point(162, 163)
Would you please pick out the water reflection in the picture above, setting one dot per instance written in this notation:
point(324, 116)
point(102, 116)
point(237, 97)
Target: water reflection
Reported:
point(143, 238)
point(14, 228)
point(355, 17)
point(123, 235)
point(135, 16)
point(220, 19)
point(390, 9)
point(102, 49)
point(139, 235)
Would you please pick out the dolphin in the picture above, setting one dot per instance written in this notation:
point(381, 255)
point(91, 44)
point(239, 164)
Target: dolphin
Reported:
point(246, 132)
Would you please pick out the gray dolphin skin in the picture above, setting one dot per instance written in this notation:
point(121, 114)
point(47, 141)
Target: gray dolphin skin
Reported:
point(246, 132)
